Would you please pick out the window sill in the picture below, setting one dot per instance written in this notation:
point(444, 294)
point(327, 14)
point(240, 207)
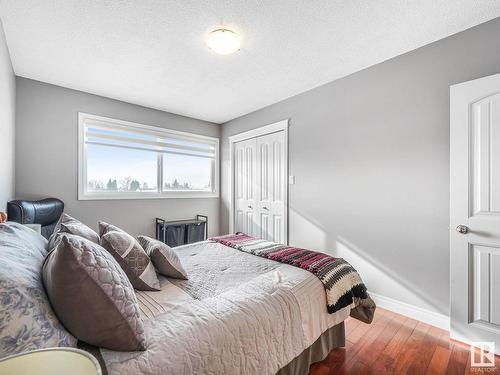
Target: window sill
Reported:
point(176, 195)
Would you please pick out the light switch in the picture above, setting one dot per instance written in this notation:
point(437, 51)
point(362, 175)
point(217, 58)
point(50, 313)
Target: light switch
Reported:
point(291, 180)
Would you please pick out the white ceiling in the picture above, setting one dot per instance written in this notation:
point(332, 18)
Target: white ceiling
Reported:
point(152, 52)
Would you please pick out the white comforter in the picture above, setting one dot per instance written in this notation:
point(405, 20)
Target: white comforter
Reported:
point(258, 316)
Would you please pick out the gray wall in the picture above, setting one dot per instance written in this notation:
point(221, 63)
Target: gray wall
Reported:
point(7, 120)
point(370, 153)
point(46, 156)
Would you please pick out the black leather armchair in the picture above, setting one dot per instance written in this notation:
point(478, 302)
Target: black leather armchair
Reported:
point(45, 212)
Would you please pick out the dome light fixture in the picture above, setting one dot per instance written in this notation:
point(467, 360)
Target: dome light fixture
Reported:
point(224, 41)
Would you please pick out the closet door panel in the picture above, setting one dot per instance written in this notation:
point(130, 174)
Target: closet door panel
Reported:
point(245, 186)
point(271, 177)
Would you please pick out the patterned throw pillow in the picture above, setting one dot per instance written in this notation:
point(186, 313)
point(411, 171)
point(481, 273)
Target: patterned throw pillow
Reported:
point(92, 296)
point(163, 257)
point(106, 227)
point(130, 256)
point(68, 224)
point(27, 321)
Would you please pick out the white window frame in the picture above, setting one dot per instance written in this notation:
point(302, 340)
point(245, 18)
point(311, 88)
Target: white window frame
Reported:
point(82, 164)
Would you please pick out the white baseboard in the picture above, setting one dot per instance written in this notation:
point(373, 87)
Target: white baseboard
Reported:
point(411, 311)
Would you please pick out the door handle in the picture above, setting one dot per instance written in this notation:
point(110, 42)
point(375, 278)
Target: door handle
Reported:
point(265, 208)
point(462, 229)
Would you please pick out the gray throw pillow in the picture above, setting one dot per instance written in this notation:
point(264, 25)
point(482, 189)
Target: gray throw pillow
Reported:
point(132, 258)
point(163, 257)
point(68, 224)
point(92, 296)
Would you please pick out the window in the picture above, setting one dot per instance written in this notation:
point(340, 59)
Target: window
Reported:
point(121, 160)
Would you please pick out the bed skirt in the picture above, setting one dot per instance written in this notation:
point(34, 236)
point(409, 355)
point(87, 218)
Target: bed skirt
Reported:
point(318, 351)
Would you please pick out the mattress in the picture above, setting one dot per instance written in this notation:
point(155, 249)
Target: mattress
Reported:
point(237, 313)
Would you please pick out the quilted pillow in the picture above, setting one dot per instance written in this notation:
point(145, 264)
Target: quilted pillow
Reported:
point(68, 224)
point(163, 257)
point(131, 257)
point(27, 321)
point(92, 296)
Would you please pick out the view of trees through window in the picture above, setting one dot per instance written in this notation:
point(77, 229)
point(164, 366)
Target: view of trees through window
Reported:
point(112, 169)
point(126, 184)
point(120, 169)
point(185, 172)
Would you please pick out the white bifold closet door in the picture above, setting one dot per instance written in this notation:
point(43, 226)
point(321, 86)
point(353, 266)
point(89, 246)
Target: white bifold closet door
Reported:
point(260, 184)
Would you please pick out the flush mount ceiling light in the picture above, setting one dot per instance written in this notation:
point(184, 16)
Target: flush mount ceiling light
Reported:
point(223, 41)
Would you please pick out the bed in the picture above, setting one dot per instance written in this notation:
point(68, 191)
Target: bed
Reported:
point(236, 314)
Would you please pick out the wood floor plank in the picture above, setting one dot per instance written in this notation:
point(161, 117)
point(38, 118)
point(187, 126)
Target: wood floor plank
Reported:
point(425, 351)
point(399, 340)
point(356, 351)
point(338, 356)
point(319, 369)
point(385, 362)
point(458, 359)
point(363, 328)
point(350, 325)
point(439, 361)
point(445, 341)
point(359, 332)
point(359, 368)
point(468, 365)
point(368, 357)
point(405, 357)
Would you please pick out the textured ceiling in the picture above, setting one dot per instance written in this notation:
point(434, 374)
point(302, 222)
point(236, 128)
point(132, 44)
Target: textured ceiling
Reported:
point(152, 52)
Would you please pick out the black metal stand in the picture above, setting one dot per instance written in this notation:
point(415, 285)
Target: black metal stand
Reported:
point(181, 232)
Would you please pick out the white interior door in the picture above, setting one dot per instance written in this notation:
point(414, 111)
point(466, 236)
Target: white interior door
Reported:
point(475, 211)
point(260, 185)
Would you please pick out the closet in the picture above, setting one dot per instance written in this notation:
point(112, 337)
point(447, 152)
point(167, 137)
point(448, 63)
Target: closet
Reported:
point(260, 186)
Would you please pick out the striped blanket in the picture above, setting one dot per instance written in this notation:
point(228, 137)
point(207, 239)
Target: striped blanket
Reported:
point(342, 283)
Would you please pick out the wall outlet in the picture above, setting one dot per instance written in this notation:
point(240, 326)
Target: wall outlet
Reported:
point(291, 180)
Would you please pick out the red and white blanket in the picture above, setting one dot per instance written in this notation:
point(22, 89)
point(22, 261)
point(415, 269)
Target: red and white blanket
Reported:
point(342, 283)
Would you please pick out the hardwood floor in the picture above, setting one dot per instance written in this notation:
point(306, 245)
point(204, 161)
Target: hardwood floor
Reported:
point(395, 344)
